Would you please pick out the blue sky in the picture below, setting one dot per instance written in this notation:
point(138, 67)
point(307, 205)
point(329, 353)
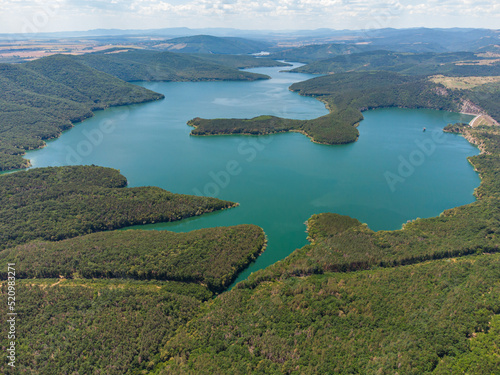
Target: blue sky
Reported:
point(18, 16)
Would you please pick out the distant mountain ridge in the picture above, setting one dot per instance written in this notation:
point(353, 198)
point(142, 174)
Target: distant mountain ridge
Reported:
point(449, 63)
point(216, 45)
point(408, 40)
point(411, 39)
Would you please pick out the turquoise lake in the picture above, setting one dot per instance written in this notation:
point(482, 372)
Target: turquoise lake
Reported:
point(395, 172)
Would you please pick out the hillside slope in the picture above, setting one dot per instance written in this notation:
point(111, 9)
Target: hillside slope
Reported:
point(146, 65)
point(450, 63)
point(214, 45)
point(62, 202)
point(42, 98)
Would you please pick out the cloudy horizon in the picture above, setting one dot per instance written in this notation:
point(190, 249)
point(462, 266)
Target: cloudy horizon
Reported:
point(75, 15)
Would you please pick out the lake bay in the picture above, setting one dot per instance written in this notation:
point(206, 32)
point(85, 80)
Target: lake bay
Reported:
point(395, 172)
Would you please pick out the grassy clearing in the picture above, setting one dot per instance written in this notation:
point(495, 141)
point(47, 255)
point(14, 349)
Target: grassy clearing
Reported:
point(463, 82)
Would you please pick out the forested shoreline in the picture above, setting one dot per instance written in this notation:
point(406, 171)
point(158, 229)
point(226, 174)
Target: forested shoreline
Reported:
point(41, 99)
point(56, 203)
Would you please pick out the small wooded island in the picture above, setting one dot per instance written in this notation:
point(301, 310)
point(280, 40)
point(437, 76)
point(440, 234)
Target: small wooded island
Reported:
point(327, 129)
point(92, 299)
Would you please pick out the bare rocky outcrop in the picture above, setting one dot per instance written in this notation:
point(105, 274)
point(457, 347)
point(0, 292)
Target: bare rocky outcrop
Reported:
point(441, 91)
point(468, 107)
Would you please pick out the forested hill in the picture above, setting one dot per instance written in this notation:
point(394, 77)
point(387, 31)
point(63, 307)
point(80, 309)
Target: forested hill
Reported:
point(316, 52)
point(58, 203)
point(42, 98)
point(215, 45)
point(212, 256)
point(367, 90)
point(451, 63)
point(240, 61)
point(146, 65)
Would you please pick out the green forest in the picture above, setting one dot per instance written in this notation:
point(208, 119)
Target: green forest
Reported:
point(110, 327)
point(146, 65)
point(418, 319)
point(57, 203)
point(40, 99)
point(450, 63)
point(212, 257)
point(329, 129)
point(85, 298)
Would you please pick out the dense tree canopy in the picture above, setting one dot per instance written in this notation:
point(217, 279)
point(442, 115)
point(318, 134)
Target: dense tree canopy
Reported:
point(57, 203)
point(145, 65)
point(212, 257)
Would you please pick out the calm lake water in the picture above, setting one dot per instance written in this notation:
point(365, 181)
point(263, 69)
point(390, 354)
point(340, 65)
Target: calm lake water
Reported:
point(395, 172)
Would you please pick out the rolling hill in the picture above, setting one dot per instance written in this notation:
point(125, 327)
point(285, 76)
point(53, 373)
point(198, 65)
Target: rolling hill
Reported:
point(146, 65)
point(42, 98)
point(449, 63)
point(213, 44)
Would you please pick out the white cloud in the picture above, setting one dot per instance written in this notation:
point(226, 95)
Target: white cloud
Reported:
point(250, 14)
point(455, 8)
